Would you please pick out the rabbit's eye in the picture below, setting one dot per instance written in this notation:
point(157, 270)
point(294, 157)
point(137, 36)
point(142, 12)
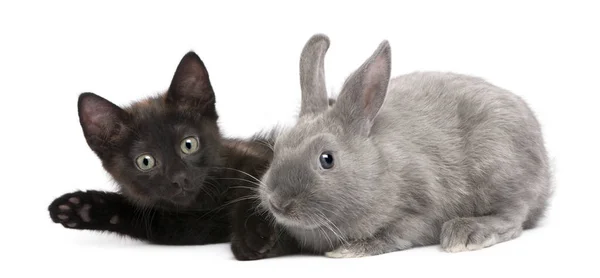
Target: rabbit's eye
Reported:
point(326, 160)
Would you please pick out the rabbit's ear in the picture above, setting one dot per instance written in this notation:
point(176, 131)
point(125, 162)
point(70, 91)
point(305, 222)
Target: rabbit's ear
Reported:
point(312, 75)
point(364, 91)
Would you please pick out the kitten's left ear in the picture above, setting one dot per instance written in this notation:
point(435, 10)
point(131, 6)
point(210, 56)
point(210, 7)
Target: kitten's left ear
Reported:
point(191, 88)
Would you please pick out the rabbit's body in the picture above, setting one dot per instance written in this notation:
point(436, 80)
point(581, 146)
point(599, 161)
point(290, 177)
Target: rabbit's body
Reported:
point(446, 158)
point(478, 149)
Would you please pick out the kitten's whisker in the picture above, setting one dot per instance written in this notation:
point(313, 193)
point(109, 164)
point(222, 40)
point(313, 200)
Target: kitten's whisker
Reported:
point(145, 219)
point(263, 212)
point(151, 220)
point(241, 199)
point(230, 203)
point(266, 144)
point(212, 190)
point(245, 180)
point(209, 194)
point(245, 187)
point(242, 172)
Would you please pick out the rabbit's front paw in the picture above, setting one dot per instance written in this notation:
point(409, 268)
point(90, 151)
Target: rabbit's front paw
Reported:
point(466, 234)
point(82, 210)
point(346, 251)
point(370, 247)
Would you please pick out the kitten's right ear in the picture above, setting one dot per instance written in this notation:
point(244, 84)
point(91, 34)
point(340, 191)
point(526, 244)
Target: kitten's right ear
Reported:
point(190, 88)
point(103, 122)
point(312, 75)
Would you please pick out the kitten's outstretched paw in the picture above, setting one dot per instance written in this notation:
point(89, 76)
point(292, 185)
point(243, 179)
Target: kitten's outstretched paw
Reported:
point(255, 242)
point(466, 234)
point(82, 210)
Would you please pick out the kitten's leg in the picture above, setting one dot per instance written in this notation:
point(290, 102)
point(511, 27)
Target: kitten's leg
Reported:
point(91, 210)
point(106, 211)
point(473, 233)
point(381, 244)
point(255, 234)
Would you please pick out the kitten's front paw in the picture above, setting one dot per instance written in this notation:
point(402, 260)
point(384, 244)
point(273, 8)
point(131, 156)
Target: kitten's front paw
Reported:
point(255, 241)
point(82, 210)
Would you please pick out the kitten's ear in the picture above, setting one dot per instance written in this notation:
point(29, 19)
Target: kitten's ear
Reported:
point(191, 88)
point(103, 122)
point(365, 90)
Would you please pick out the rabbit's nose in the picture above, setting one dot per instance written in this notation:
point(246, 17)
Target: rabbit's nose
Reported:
point(282, 207)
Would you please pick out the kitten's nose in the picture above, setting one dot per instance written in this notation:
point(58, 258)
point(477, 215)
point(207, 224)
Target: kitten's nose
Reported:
point(180, 181)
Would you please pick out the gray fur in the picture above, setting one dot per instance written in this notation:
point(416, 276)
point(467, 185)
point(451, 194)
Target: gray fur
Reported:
point(426, 158)
point(312, 75)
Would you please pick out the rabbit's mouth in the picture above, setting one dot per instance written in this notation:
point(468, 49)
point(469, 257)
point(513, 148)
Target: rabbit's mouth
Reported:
point(293, 213)
point(294, 220)
point(296, 223)
point(287, 214)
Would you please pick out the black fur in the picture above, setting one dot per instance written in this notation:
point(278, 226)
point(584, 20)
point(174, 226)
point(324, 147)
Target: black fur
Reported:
point(150, 224)
point(254, 232)
point(187, 199)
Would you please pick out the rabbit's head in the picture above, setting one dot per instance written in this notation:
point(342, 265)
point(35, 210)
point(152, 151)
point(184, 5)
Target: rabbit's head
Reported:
point(325, 168)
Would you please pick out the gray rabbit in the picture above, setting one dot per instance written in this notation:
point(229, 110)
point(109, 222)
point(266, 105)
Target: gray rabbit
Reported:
point(424, 158)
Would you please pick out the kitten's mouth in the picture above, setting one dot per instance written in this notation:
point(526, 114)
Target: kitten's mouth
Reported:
point(183, 196)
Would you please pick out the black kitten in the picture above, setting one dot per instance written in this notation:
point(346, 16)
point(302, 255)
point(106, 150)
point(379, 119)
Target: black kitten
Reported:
point(180, 182)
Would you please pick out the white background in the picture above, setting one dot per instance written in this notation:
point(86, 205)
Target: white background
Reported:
point(50, 51)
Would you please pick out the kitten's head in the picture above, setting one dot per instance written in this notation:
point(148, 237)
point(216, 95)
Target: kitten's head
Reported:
point(159, 150)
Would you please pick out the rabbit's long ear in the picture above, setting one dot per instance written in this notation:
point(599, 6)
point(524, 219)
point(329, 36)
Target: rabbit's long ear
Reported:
point(364, 91)
point(312, 75)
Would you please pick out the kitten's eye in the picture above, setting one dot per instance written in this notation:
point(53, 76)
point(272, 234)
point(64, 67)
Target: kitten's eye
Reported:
point(189, 145)
point(326, 160)
point(145, 162)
